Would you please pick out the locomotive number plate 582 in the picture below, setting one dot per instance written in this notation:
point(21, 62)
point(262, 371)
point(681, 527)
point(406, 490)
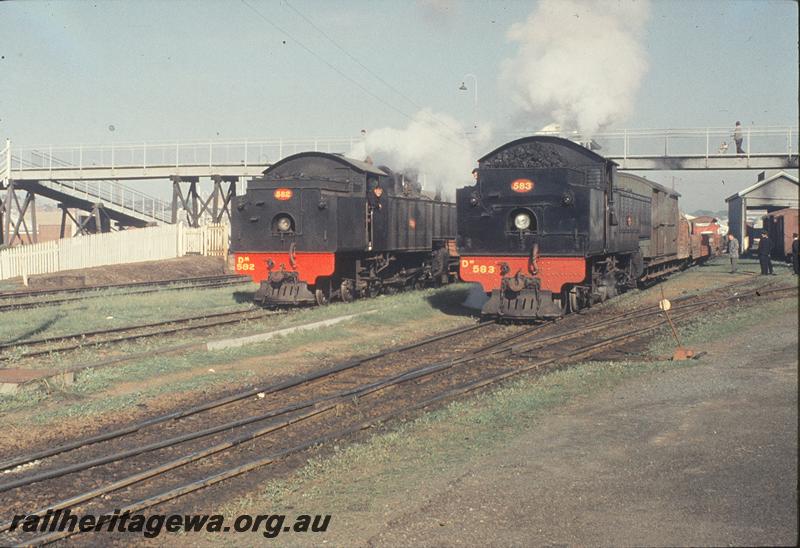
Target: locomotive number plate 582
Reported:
point(243, 263)
point(522, 185)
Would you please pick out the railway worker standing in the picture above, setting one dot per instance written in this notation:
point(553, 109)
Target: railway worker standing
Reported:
point(795, 253)
point(764, 250)
point(737, 137)
point(733, 252)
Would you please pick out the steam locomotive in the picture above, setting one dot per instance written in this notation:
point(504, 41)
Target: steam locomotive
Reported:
point(318, 226)
point(551, 227)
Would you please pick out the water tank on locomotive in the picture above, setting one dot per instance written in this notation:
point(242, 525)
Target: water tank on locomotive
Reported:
point(550, 226)
point(321, 226)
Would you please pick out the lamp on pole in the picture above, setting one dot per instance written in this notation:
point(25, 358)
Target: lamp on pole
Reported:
point(464, 87)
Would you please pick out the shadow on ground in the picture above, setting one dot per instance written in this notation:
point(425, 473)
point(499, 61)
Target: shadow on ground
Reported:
point(450, 302)
point(41, 329)
point(243, 296)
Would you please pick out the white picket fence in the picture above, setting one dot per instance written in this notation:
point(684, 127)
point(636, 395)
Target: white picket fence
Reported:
point(129, 246)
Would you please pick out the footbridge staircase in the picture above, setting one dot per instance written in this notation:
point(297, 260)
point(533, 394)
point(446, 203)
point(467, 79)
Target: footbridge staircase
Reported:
point(104, 201)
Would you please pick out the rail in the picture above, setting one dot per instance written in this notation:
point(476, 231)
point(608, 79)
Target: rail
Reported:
point(332, 401)
point(692, 142)
point(5, 162)
point(145, 155)
point(111, 193)
point(151, 159)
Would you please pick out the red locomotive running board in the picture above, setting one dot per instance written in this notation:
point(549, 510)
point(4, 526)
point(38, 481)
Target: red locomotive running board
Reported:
point(309, 265)
point(554, 272)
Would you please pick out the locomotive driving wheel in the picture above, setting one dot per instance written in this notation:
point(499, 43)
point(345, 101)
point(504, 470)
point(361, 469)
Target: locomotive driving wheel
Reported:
point(563, 301)
point(323, 292)
point(321, 297)
point(346, 291)
point(572, 299)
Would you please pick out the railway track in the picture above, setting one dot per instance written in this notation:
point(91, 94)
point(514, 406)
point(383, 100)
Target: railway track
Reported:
point(33, 348)
point(176, 454)
point(24, 300)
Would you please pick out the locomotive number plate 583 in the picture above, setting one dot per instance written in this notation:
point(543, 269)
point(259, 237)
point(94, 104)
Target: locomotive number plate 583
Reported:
point(478, 268)
point(522, 185)
point(283, 194)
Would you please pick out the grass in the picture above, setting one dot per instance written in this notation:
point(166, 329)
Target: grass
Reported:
point(125, 311)
point(5, 285)
point(702, 279)
point(87, 407)
point(362, 477)
point(357, 477)
point(719, 324)
point(400, 317)
point(394, 311)
point(115, 310)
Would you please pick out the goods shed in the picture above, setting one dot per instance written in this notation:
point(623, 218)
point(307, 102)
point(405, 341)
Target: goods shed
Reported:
point(766, 196)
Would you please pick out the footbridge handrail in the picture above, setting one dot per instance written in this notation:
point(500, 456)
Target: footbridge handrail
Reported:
point(713, 146)
point(244, 152)
point(109, 192)
point(5, 161)
point(688, 142)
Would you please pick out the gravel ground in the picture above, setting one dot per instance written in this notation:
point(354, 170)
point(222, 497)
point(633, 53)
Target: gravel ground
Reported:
point(183, 267)
point(686, 457)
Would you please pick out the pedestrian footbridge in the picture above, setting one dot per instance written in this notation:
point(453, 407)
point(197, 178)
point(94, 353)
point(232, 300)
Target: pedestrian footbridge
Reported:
point(692, 148)
point(87, 175)
point(644, 149)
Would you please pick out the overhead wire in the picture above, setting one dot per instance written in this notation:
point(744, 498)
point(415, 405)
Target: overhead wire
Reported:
point(338, 71)
point(365, 67)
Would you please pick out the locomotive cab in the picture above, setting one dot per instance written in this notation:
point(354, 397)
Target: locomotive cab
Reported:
point(318, 226)
point(292, 222)
point(520, 231)
point(541, 210)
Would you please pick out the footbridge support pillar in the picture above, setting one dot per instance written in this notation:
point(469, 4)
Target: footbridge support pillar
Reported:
point(96, 222)
point(17, 218)
point(188, 202)
point(216, 205)
point(223, 197)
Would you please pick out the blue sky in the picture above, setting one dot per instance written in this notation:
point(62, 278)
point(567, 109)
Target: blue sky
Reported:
point(212, 69)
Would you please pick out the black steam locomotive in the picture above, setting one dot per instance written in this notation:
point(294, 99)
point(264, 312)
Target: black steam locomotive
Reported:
point(550, 226)
point(321, 226)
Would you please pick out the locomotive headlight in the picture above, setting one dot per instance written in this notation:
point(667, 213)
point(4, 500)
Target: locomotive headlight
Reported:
point(567, 198)
point(283, 224)
point(522, 221)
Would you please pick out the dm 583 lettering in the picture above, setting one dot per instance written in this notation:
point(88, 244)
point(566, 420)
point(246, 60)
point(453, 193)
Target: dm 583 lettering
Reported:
point(470, 266)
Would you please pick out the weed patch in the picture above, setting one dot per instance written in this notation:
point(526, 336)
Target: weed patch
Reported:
point(405, 314)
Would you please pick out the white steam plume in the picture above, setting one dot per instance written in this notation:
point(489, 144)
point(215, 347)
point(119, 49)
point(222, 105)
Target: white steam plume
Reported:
point(434, 145)
point(579, 63)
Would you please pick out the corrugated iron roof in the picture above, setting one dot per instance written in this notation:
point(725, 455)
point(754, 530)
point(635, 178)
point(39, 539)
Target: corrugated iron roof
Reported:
point(751, 188)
